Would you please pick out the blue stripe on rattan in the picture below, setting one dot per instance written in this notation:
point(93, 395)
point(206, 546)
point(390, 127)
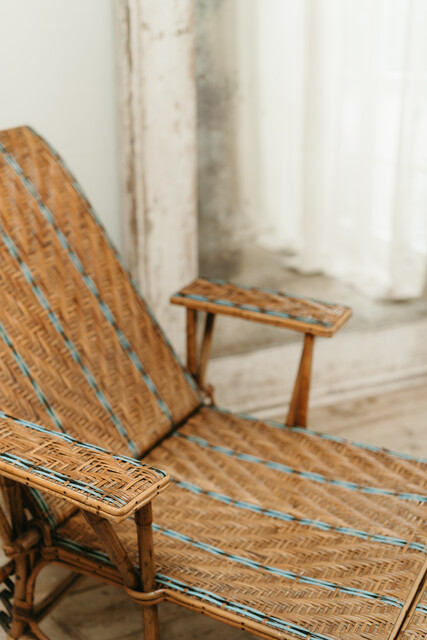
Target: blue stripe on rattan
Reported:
point(287, 517)
point(67, 438)
point(315, 477)
point(288, 575)
point(273, 292)
point(56, 323)
point(239, 609)
point(119, 258)
point(27, 373)
point(208, 596)
point(324, 436)
point(37, 496)
point(106, 311)
point(246, 307)
point(61, 479)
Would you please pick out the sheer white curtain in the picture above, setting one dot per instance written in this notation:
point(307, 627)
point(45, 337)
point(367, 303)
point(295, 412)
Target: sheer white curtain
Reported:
point(341, 133)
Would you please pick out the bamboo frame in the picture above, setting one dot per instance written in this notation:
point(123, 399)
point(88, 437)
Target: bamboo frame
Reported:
point(148, 597)
point(139, 597)
point(298, 408)
point(256, 510)
point(5, 528)
point(262, 305)
point(30, 614)
point(119, 557)
point(131, 483)
point(112, 545)
point(192, 341)
point(205, 348)
point(197, 358)
point(313, 317)
point(25, 613)
point(12, 495)
point(143, 521)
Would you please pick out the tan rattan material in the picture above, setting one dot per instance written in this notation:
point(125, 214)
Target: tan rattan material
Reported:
point(273, 529)
point(416, 626)
point(89, 477)
point(72, 319)
point(263, 305)
point(335, 555)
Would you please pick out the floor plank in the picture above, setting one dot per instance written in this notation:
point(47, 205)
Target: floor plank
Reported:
point(395, 420)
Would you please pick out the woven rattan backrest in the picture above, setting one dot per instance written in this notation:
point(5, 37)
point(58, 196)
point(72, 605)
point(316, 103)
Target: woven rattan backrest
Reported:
point(79, 349)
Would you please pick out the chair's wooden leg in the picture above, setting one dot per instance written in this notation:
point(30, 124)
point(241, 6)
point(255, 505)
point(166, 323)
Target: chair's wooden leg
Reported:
point(5, 528)
point(197, 367)
point(206, 347)
point(298, 408)
point(144, 519)
point(42, 609)
point(12, 495)
point(192, 341)
point(7, 570)
point(114, 548)
point(17, 626)
point(30, 591)
point(37, 632)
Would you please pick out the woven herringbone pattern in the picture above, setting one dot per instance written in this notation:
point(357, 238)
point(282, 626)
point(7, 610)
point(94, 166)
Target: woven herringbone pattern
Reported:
point(79, 349)
point(263, 305)
point(416, 626)
point(278, 530)
point(317, 536)
point(92, 478)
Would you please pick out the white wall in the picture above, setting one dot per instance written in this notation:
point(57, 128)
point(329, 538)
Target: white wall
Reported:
point(250, 88)
point(57, 74)
point(155, 53)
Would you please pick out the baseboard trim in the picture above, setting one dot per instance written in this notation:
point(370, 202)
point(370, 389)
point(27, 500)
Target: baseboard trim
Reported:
point(353, 364)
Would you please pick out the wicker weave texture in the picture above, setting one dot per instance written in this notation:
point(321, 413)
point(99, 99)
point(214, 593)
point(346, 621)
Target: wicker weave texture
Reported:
point(292, 534)
point(416, 627)
point(263, 305)
point(80, 351)
point(110, 485)
point(310, 534)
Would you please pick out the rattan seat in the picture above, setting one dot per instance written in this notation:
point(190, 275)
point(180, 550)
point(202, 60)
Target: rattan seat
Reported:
point(271, 528)
point(281, 525)
point(415, 627)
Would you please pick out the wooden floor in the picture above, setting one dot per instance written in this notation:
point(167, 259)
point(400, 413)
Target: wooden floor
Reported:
point(92, 612)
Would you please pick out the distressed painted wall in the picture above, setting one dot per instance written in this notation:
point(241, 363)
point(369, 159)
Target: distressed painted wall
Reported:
point(250, 57)
point(155, 50)
point(225, 82)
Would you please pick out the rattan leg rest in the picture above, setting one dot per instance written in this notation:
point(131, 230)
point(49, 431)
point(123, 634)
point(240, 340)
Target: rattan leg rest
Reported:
point(273, 529)
point(279, 528)
point(415, 627)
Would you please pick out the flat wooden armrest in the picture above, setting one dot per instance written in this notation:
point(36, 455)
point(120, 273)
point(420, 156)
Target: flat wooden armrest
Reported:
point(93, 479)
point(263, 305)
point(307, 315)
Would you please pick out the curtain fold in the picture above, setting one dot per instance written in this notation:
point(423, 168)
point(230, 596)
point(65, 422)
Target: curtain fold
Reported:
point(313, 135)
point(352, 201)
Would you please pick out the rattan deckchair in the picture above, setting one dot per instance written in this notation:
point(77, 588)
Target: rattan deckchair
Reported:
point(271, 528)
